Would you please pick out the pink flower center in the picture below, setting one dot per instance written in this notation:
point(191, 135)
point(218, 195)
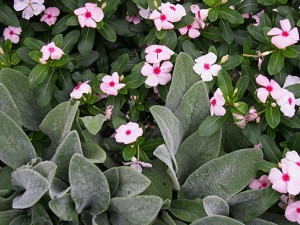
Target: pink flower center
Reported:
point(269, 88)
point(285, 177)
point(199, 15)
point(298, 163)
point(88, 15)
point(163, 17)
point(285, 34)
point(214, 102)
point(290, 100)
point(51, 49)
point(264, 185)
point(206, 66)
point(49, 16)
point(189, 27)
point(128, 132)
point(77, 87)
point(111, 84)
point(158, 50)
point(156, 70)
point(298, 210)
point(173, 8)
point(11, 32)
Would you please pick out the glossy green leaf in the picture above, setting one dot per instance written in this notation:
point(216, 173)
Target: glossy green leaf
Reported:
point(38, 74)
point(276, 62)
point(272, 116)
point(212, 124)
point(86, 41)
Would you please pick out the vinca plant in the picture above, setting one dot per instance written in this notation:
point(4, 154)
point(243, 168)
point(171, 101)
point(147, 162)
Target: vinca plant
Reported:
point(149, 112)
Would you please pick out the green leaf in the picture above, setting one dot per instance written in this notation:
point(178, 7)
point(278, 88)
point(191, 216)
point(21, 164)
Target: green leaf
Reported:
point(120, 64)
point(23, 220)
point(61, 26)
point(273, 116)
point(5, 174)
point(142, 3)
point(71, 5)
point(170, 39)
point(93, 123)
point(225, 84)
point(7, 217)
point(258, 221)
point(47, 169)
point(33, 186)
point(86, 61)
point(231, 173)
point(108, 33)
point(265, 166)
point(64, 208)
point(16, 149)
point(253, 133)
point(70, 41)
point(134, 80)
point(121, 27)
point(276, 62)
point(270, 149)
point(58, 40)
point(294, 142)
point(212, 124)
point(295, 89)
point(187, 210)
point(270, 197)
point(241, 86)
point(110, 5)
point(214, 205)
point(8, 16)
point(213, 14)
point(112, 176)
point(216, 220)
point(38, 74)
point(231, 16)
point(226, 32)
point(185, 21)
point(93, 152)
point(86, 41)
point(257, 34)
point(189, 48)
point(123, 210)
point(33, 43)
point(209, 2)
point(39, 214)
point(58, 121)
point(232, 62)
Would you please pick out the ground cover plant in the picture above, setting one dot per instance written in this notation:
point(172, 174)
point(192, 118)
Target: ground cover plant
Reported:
point(135, 112)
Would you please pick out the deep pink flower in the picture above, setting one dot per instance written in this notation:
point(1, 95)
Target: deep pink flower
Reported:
point(135, 19)
point(205, 66)
point(157, 74)
point(51, 51)
point(137, 165)
point(262, 182)
point(158, 53)
point(111, 84)
point(12, 34)
point(50, 15)
point(80, 89)
point(216, 104)
point(89, 15)
point(269, 87)
point(128, 133)
point(200, 15)
point(285, 36)
point(192, 30)
point(292, 212)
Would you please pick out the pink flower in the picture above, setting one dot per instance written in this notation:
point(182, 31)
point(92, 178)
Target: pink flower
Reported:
point(257, 18)
point(292, 212)
point(260, 183)
point(12, 34)
point(269, 87)
point(291, 157)
point(144, 13)
point(137, 165)
point(291, 80)
point(111, 84)
point(51, 51)
point(158, 53)
point(134, 19)
point(89, 15)
point(128, 133)
point(80, 89)
point(29, 7)
point(157, 74)
point(50, 15)
point(284, 37)
point(205, 66)
point(169, 14)
point(200, 15)
point(191, 29)
point(216, 104)
point(286, 181)
point(287, 103)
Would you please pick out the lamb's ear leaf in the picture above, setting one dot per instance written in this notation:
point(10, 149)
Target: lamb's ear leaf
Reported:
point(39, 214)
point(215, 205)
point(216, 220)
point(64, 208)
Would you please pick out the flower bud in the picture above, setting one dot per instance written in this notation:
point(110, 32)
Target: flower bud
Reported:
point(1, 51)
point(108, 111)
point(224, 58)
point(103, 5)
point(273, 104)
point(42, 61)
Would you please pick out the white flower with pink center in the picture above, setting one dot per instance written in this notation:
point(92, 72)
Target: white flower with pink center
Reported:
point(205, 66)
point(261, 183)
point(270, 87)
point(144, 13)
point(51, 51)
point(135, 19)
point(192, 30)
point(137, 165)
point(287, 103)
point(128, 133)
point(29, 7)
point(80, 89)
point(158, 53)
point(287, 180)
point(216, 104)
point(291, 157)
point(200, 15)
point(89, 15)
point(50, 15)
point(157, 74)
point(111, 84)
point(285, 36)
point(12, 34)
point(169, 14)
point(291, 80)
point(292, 212)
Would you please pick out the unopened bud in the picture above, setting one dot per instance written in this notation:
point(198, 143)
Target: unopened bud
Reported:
point(42, 61)
point(133, 97)
point(236, 104)
point(273, 104)
point(224, 1)
point(121, 77)
point(232, 7)
point(224, 58)
point(155, 3)
point(103, 5)
point(108, 112)
point(235, 91)
point(1, 51)
point(266, 53)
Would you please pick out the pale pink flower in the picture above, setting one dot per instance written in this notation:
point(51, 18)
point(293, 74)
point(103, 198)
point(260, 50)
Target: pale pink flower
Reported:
point(260, 183)
point(250, 116)
point(144, 13)
point(128, 133)
point(291, 80)
point(269, 87)
point(291, 157)
point(283, 201)
point(246, 15)
point(89, 15)
point(192, 30)
point(257, 18)
point(169, 14)
point(157, 74)
point(12, 34)
point(205, 66)
point(287, 103)
point(200, 15)
point(111, 84)
point(285, 36)
point(137, 165)
point(287, 180)
point(135, 19)
point(216, 104)
point(258, 146)
point(51, 51)
point(29, 7)
point(80, 89)
point(158, 53)
point(50, 15)
point(292, 212)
